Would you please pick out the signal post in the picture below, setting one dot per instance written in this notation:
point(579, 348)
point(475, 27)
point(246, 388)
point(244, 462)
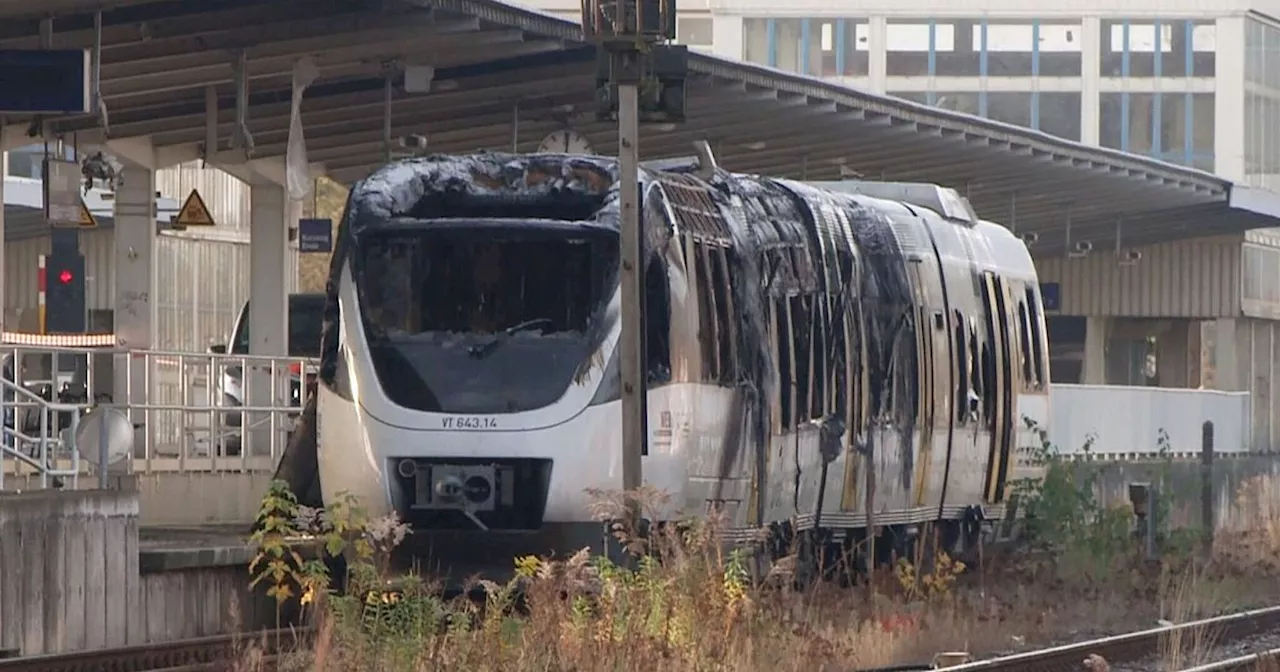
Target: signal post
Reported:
point(640, 78)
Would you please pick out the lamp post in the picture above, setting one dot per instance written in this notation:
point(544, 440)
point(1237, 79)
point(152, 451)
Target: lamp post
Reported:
point(640, 78)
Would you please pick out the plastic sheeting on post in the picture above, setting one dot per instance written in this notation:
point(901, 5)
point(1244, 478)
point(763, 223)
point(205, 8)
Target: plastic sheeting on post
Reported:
point(297, 173)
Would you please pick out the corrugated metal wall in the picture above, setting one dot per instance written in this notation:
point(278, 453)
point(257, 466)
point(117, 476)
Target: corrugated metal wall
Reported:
point(201, 283)
point(202, 276)
point(22, 259)
point(1253, 346)
point(226, 196)
point(1191, 278)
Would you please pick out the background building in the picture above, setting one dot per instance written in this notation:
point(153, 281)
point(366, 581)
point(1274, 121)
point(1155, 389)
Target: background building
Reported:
point(204, 274)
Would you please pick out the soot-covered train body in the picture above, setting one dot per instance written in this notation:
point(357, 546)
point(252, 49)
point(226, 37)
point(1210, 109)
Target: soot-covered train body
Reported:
point(812, 350)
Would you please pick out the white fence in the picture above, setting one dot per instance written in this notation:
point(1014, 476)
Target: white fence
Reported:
point(1123, 422)
point(191, 412)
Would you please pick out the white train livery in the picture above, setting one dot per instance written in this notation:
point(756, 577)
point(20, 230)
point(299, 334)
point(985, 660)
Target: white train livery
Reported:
point(815, 352)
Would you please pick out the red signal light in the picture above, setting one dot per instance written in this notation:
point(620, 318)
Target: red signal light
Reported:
point(65, 277)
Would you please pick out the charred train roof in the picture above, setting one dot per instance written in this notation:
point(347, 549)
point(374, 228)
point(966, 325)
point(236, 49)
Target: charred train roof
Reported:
point(749, 212)
point(533, 186)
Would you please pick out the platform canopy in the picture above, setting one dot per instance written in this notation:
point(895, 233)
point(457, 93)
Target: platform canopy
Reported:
point(505, 77)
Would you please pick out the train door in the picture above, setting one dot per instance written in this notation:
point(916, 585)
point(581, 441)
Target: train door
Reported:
point(999, 384)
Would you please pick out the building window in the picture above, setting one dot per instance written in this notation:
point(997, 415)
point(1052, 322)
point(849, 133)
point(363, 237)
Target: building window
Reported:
point(1011, 107)
point(694, 32)
point(912, 47)
point(1059, 48)
point(1262, 41)
point(1059, 113)
point(23, 163)
point(1037, 48)
point(28, 161)
point(820, 47)
point(1262, 133)
point(1262, 104)
point(966, 59)
point(997, 48)
point(1176, 127)
point(1147, 48)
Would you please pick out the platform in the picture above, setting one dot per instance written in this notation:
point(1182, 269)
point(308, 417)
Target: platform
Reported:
point(173, 548)
point(82, 575)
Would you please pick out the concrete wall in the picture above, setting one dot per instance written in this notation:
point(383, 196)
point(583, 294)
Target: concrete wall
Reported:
point(76, 576)
point(201, 602)
point(183, 499)
point(1181, 481)
point(1127, 421)
point(201, 498)
point(70, 571)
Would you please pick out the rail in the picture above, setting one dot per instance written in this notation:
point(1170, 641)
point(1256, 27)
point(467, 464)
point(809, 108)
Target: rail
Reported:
point(192, 412)
point(1130, 647)
point(214, 653)
point(1263, 661)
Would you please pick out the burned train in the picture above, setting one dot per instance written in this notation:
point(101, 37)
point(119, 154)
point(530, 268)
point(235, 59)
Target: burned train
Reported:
point(816, 352)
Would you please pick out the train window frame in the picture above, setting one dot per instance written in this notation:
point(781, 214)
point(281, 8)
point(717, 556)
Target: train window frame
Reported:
point(925, 363)
point(785, 362)
point(1026, 348)
point(706, 313)
point(722, 258)
point(802, 356)
point(977, 378)
point(960, 344)
point(717, 333)
point(1024, 362)
point(819, 343)
point(657, 322)
point(1034, 315)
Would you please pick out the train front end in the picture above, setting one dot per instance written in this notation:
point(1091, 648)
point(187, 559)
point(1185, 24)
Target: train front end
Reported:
point(474, 355)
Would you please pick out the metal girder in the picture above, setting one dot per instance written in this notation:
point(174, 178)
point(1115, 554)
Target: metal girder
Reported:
point(492, 119)
point(460, 101)
point(276, 59)
point(189, 112)
point(420, 114)
point(475, 138)
point(283, 34)
point(365, 62)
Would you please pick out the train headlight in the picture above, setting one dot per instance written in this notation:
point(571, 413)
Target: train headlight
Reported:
point(450, 488)
point(478, 489)
point(407, 468)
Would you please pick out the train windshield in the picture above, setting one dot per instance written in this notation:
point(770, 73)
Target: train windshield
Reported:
point(483, 317)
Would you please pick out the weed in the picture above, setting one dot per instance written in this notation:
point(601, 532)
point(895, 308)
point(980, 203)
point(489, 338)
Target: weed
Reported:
point(1063, 517)
point(687, 603)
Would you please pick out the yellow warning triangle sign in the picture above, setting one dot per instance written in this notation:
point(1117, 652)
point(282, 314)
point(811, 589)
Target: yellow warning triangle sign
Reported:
point(87, 220)
point(194, 212)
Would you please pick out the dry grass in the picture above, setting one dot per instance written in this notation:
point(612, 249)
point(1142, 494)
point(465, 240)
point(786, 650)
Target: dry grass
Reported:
point(699, 610)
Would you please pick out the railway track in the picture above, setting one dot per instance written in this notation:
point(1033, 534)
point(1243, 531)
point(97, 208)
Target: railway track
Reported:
point(1263, 661)
point(204, 654)
point(1137, 646)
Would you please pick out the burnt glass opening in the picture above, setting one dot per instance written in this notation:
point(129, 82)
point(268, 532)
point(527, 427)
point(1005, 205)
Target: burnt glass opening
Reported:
point(483, 316)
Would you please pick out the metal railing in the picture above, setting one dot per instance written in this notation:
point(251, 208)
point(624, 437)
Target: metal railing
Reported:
point(39, 453)
point(190, 411)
